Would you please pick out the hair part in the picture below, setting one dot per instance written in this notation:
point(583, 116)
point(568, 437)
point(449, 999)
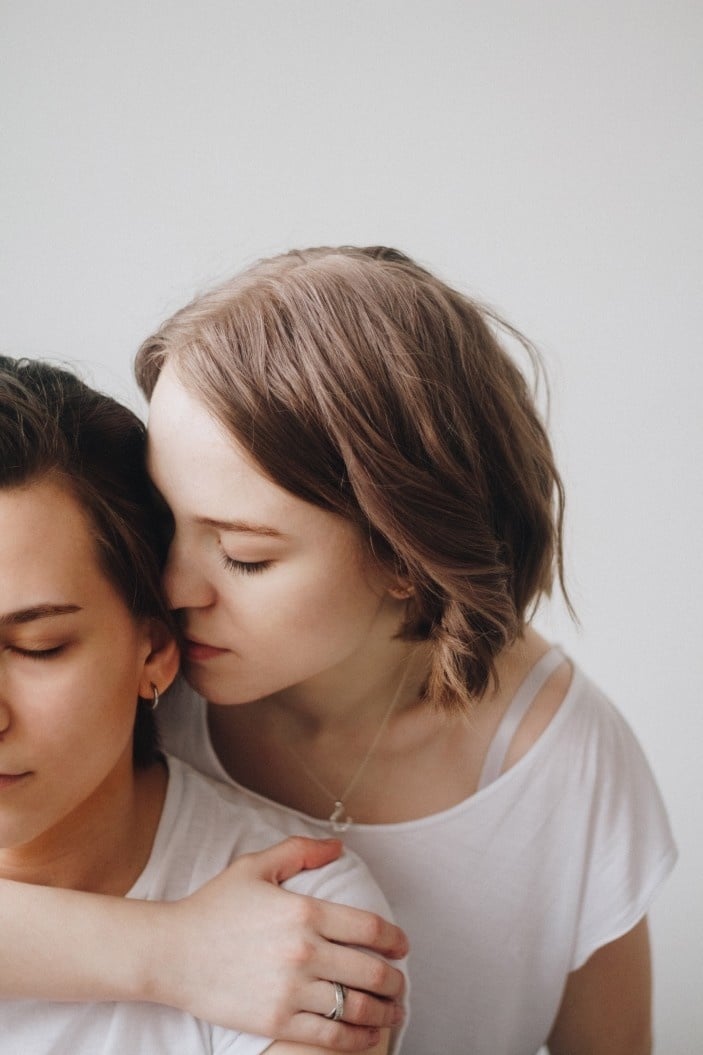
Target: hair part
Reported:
point(362, 383)
point(54, 426)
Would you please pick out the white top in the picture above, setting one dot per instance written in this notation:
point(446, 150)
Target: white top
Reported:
point(507, 892)
point(203, 827)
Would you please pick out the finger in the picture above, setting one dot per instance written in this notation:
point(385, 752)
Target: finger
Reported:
point(360, 1009)
point(354, 926)
point(360, 970)
point(294, 855)
point(309, 1029)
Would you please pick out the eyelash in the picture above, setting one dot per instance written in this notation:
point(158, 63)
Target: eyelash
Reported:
point(38, 653)
point(244, 567)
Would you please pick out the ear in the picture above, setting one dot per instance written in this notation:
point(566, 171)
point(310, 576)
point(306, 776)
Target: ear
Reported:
point(401, 591)
point(161, 664)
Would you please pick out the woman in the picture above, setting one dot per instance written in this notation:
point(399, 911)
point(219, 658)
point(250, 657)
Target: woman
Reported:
point(366, 512)
point(87, 802)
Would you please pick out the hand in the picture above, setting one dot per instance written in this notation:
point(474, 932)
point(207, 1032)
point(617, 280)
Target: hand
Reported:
point(242, 953)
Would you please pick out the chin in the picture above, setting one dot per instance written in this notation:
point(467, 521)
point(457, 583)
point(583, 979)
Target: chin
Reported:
point(213, 689)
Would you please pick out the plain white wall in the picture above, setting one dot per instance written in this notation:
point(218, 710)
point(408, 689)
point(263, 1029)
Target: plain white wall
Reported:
point(546, 156)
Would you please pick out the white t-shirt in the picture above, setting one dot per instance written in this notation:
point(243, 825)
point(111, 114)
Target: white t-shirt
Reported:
point(507, 892)
point(204, 826)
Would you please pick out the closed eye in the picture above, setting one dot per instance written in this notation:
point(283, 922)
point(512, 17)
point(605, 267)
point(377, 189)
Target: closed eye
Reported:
point(245, 567)
point(37, 653)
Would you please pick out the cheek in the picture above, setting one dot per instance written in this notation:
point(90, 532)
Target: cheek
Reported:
point(111, 690)
point(88, 706)
point(331, 606)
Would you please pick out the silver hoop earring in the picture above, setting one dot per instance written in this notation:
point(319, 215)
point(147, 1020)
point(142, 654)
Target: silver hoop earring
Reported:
point(156, 697)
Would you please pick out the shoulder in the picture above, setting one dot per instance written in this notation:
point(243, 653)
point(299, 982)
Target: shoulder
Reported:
point(347, 881)
point(227, 822)
point(566, 707)
point(599, 729)
point(622, 838)
point(220, 811)
point(609, 794)
point(206, 824)
point(550, 697)
point(588, 737)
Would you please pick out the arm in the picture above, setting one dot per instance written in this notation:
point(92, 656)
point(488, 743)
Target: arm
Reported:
point(239, 952)
point(606, 1006)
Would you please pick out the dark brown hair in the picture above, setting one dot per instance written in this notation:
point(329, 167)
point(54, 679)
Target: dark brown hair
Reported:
point(52, 425)
point(362, 383)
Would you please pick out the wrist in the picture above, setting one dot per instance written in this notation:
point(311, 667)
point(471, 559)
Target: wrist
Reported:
point(156, 977)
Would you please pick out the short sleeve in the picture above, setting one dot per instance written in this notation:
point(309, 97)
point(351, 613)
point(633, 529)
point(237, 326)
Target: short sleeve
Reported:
point(631, 848)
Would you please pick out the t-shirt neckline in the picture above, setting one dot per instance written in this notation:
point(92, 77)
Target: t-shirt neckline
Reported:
point(502, 782)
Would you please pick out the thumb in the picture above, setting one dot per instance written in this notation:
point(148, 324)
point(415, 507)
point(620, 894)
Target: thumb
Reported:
point(286, 859)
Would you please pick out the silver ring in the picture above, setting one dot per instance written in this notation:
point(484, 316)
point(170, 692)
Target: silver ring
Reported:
point(338, 1009)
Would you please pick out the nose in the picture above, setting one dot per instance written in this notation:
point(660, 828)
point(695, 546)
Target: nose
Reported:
point(184, 584)
point(4, 719)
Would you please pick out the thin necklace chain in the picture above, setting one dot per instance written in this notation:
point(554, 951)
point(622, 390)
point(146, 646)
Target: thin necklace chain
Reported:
point(339, 819)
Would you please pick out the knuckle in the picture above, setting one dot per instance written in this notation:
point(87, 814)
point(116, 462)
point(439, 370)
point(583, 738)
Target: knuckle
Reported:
point(246, 864)
point(300, 953)
point(277, 1022)
point(326, 1034)
point(394, 982)
point(378, 975)
point(362, 1008)
point(294, 842)
point(298, 842)
point(242, 861)
point(374, 930)
point(338, 1037)
point(305, 913)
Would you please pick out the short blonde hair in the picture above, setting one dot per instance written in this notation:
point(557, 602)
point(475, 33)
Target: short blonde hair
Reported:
point(362, 383)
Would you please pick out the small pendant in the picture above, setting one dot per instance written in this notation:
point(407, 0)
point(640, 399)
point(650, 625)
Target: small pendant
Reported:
point(339, 821)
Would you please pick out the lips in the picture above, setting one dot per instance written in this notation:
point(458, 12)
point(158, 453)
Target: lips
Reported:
point(197, 652)
point(9, 780)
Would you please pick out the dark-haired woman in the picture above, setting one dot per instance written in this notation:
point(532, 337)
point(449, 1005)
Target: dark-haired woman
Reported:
point(87, 803)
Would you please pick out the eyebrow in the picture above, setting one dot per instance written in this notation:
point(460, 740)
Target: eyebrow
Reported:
point(37, 611)
point(242, 526)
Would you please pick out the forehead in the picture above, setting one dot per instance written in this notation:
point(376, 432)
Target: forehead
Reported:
point(204, 474)
point(46, 546)
point(202, 471)
point(183, 432)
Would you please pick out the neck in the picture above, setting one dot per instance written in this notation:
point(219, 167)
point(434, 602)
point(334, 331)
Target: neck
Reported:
point(104, 844)
point(353, 694)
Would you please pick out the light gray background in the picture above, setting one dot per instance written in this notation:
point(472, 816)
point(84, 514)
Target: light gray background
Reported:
point(546, 156)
